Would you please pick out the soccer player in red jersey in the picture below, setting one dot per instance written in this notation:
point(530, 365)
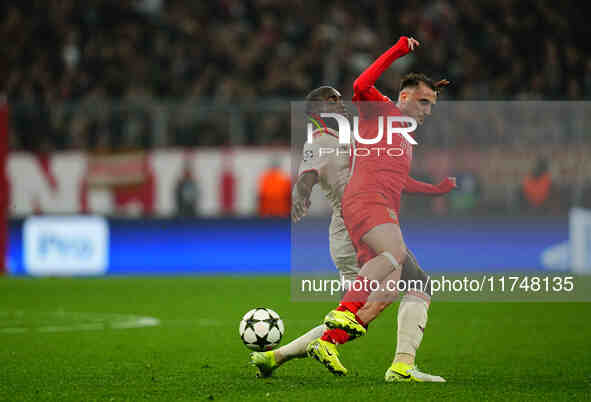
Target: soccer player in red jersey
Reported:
point(371, 204)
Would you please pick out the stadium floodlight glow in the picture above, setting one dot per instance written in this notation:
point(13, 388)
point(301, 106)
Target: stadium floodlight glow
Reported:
point(407, 126)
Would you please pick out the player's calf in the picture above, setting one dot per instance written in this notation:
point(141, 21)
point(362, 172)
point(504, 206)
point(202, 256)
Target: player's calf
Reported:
point(412, 312)
point(344, 323)
point(412, 320)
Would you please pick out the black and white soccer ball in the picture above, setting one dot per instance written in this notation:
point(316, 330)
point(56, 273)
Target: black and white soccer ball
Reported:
point(261, 329)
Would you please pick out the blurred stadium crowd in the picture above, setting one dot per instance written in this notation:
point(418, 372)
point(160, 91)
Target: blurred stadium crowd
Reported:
point(109, 76)
point(119, 74)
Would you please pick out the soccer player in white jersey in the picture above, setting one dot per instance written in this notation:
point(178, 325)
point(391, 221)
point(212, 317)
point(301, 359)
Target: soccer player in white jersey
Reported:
point(331, 171)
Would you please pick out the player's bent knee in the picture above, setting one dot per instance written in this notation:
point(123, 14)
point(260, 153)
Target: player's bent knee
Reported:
point(414, 277)
point(393, 260)
point(386, 238)
point(401, 254)
point(396, 257)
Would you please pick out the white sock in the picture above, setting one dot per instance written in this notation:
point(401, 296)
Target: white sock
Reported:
point(297, 347)
point(412, 316)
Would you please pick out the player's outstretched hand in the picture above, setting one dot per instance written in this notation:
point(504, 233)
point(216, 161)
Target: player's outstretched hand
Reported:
point(299, 209)
point(413, 43)
point(447, 185)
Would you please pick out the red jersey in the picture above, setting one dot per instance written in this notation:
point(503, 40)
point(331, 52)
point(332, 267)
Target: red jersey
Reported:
point(379, 172)
point(380, 167)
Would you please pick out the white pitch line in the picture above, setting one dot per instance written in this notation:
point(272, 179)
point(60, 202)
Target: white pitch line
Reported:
point(79, 327)
point(101, 322)
point(137, 323)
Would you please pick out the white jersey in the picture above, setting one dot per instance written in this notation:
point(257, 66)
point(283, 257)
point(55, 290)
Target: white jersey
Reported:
point(331, 161)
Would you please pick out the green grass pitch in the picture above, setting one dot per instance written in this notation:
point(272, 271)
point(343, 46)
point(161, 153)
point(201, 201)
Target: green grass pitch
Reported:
point(487, 351)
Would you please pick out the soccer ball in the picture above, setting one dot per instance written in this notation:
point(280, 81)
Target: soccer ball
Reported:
point(261, 329)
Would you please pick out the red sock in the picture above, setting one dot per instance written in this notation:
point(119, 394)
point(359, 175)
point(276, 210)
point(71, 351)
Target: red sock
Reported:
point(336, 336)
point(356, 297)
point(352, 301)
point(344, 308)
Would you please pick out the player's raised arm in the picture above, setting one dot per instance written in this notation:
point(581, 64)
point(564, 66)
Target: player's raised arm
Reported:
point(418, 187)
point(368, 78)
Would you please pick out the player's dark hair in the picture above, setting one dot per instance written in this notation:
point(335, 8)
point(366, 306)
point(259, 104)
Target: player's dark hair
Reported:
point(412, 80)
point(321, 94)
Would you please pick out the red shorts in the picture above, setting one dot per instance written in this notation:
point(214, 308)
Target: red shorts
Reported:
point(362, 212)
